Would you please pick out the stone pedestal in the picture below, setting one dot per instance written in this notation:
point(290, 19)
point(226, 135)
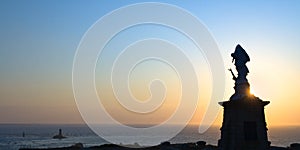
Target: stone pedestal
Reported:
point(244, 125)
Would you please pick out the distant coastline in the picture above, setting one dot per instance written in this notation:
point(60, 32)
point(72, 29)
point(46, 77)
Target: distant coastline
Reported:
point(40, 136)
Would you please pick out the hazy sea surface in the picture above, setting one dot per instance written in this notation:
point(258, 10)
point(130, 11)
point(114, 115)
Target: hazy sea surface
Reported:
point(40, 136)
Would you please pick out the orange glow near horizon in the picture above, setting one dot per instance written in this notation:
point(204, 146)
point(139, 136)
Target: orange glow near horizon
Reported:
point(37, 54)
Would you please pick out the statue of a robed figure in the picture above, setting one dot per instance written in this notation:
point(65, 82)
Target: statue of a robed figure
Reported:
point(244, 125)
point(242, 87)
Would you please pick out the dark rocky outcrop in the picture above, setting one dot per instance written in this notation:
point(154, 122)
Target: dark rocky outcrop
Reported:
point(200, 145)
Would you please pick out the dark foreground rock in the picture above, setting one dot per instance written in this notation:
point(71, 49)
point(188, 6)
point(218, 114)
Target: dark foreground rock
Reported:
point(201, 145)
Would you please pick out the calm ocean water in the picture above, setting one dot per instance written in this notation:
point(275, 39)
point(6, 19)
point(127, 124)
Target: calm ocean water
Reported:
point(40, 136)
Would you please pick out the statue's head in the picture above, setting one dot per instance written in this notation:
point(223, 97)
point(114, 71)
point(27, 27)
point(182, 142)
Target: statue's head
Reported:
point(240, 55)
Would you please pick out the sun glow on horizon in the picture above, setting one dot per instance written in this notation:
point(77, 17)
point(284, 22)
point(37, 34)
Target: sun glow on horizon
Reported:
point(36, 81)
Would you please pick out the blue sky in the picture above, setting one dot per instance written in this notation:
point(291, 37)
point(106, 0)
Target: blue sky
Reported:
point(38, 41)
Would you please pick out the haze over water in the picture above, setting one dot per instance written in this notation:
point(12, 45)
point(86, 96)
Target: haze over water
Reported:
point(40, 136)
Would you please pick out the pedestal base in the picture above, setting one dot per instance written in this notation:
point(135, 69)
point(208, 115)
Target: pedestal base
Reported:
point(244, 125)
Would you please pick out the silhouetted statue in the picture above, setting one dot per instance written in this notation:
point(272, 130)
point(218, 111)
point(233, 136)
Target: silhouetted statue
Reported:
point(244, 125)
point(242, 87)
point(240, 58)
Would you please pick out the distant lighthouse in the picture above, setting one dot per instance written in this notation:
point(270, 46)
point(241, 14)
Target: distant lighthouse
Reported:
point(59, 135)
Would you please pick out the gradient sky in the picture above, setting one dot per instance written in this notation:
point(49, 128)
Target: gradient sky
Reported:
point(38, 41)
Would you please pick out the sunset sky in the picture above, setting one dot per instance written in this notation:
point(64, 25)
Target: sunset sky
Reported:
point(38, 41)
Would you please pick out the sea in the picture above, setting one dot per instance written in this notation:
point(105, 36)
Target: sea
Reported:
point(15, 136)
